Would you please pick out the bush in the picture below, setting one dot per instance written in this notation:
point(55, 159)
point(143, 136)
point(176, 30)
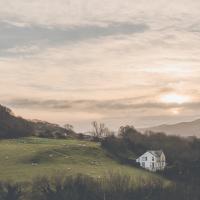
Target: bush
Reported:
point(113, 186)
point(9, 191)
point(62, 188)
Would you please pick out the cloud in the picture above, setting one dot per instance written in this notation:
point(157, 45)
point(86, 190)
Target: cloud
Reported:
point(17, 39)
point(110, 58)
point(101, 106)
point(67, 12)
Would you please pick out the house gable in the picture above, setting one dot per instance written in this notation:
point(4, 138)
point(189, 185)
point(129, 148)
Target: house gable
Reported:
point(146, 157)
point(152, 160)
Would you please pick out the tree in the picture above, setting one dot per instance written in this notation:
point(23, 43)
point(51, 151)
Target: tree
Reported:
point(100, 130)
point(68, 127)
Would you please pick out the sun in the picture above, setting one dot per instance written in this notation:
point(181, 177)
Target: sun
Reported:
point(175, 111)
point(174, 98)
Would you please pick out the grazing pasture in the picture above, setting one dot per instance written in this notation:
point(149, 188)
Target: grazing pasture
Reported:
point(26, 158)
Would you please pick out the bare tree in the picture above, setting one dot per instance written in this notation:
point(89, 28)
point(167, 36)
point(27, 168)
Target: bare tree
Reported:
point(100, 130)
point(95, 131)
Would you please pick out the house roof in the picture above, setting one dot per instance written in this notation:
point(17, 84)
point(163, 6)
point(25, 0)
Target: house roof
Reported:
point(156, 153)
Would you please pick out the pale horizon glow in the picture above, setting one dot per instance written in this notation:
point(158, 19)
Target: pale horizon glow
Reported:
point(118, 62)
point(175, 111)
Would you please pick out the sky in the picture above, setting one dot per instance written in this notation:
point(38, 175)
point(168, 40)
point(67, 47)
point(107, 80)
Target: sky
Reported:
point(119, 62)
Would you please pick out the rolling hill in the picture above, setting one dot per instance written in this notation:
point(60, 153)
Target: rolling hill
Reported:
point(26, 158)
point(184, 129)
point(12, 126)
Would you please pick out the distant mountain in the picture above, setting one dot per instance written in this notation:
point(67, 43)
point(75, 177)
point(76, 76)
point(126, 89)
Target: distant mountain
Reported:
point(12, 126)
point(183, 129)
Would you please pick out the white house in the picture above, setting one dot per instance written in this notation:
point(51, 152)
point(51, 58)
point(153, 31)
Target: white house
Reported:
point(152, 160)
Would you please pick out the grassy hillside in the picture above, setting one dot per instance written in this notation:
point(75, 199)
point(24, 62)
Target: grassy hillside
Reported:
point(23, 159)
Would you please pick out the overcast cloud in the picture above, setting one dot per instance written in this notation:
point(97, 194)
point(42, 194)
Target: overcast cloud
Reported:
point(74, 61)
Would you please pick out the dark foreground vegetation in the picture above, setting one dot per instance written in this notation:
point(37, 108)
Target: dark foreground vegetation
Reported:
point(80, 187)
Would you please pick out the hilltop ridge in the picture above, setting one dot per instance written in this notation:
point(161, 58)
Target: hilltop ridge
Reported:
point(12, 126)
point(184, 129)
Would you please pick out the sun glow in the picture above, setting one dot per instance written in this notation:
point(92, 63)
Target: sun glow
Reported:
point(175, 111)
point(174, 98)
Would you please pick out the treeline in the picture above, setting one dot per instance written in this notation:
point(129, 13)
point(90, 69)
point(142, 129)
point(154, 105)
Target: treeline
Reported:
point(183, 154)
point(111, 187)
point(12, 126)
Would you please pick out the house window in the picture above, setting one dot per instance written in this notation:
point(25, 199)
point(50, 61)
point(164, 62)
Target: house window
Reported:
point(143, 164)
point(144, 158)
point(152, 158)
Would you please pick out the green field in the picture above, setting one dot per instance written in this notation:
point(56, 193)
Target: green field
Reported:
point(24, 159)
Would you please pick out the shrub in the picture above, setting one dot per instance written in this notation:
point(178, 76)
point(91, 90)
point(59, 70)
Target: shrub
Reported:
point(9, 191)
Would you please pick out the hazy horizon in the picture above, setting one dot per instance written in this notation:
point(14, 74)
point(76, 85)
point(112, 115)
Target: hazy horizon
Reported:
point(118, 62)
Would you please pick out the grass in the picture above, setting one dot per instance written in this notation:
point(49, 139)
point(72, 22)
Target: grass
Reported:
point(23, 159)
